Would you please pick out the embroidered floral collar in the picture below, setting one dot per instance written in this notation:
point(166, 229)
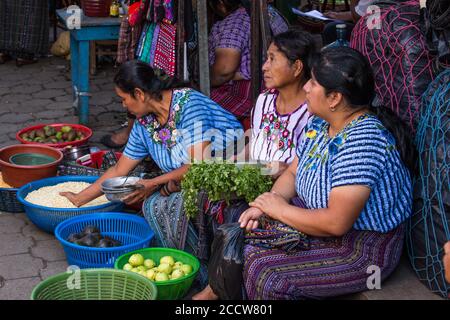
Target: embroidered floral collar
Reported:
point(167, 134)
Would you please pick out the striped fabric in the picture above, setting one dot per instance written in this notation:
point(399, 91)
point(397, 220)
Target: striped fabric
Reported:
point(201, 119)
point(331, 267)
point(275, 136)
point(235, 97)
point(363, 153)
point(24, 26)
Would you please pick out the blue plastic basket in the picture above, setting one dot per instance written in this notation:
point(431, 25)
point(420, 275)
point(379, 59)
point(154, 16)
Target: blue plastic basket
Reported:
point(132, 231)
point(48, 218)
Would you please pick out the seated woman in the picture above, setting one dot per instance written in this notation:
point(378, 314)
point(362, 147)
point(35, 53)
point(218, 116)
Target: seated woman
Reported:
point(229, 55)
point(174, 126)
point(280, 114)
point(278, 119)
point(229, 58)
point(351, 173)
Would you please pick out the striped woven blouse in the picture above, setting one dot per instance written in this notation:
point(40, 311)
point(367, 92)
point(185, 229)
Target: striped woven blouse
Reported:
point(275, 136)
point(363, 153)
point(194, 118)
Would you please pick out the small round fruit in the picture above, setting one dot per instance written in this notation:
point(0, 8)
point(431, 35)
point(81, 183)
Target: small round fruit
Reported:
point(136, 260)
point(165, 268)
point(161, 276)
point(149, 263)
point(186, 268)
point(127, 267)
point(151, 274)
point(177, 273)
point(143, 273)
point(135, 270)
point(141, 268)
point(177, 265)
point(167, 259)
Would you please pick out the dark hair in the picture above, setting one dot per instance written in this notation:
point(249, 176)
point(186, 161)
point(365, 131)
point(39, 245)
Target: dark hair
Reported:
point(297, 44)
point(230, 5)
point(347, 71)
point(136, 74)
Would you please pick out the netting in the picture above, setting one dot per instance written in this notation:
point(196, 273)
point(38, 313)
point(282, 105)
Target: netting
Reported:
point(399, 57)
point(436, 23)
point(428, 228)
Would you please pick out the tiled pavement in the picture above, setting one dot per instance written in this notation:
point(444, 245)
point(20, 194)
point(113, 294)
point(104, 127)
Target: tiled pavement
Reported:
point(41, 93)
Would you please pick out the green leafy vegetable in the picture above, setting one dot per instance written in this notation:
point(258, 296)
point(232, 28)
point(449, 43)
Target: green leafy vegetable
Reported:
point(222, 181)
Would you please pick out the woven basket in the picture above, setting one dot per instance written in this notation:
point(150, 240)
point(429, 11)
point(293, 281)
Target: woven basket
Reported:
point(9, 202)
point(95, 284)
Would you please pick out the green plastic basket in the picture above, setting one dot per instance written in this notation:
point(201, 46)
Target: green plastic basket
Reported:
point(95, 284)
point(171, 289)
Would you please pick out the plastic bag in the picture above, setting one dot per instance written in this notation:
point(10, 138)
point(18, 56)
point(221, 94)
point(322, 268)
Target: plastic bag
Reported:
point(226, 263)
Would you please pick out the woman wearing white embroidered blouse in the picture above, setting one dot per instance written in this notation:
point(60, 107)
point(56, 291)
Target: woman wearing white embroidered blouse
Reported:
point(280, 113)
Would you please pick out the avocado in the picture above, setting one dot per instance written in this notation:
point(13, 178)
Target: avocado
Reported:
point(40, 133)
point(90, 229)
point(71, 136)
point(90, 240)
point(66, 129)
point(73, 237)
point(32, 134)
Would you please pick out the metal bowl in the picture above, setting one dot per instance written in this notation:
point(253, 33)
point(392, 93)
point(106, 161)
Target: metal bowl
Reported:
point(116, 189)
point(73, 153)
point(119, 183)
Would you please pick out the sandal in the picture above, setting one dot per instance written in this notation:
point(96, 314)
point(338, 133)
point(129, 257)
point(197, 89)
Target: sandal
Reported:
point(22, 62)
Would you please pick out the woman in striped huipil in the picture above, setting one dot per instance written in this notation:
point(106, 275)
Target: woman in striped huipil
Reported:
point(351, 173)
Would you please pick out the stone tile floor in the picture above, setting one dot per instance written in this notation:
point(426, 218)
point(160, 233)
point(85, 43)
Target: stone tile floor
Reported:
point(41, 93)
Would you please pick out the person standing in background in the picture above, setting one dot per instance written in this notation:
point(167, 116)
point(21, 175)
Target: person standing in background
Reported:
point(24, 30)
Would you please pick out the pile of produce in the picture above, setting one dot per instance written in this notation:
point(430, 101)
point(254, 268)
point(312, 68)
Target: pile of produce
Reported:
point(50, 197)
point(222, 181)
point(3, 184)
point(50, 134)
point(168, 268)
point(91, 237)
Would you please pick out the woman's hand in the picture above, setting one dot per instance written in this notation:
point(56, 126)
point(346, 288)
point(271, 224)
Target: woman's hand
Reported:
point(249, 218)
point(73, 197)
point(141, 194)
point(270, 203)
point(344, 15)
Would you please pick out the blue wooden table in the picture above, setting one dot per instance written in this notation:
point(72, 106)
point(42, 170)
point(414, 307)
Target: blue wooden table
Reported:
point(90, 29)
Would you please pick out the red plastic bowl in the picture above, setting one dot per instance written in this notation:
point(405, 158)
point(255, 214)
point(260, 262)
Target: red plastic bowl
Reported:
point(78, 127)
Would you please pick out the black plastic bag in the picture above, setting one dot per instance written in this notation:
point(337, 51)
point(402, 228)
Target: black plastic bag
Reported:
point(226, 263)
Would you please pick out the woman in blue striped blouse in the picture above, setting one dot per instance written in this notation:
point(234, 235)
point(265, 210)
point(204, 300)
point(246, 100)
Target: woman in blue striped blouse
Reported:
point(175, 125)
point(351, 173)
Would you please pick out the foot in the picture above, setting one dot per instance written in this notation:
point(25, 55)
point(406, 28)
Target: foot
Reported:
point(116, 140)
point(21, 62)
point(205, 294)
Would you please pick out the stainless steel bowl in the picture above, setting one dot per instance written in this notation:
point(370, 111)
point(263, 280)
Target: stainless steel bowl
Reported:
point(116, 189)
point(73, 153)
point(119, 183)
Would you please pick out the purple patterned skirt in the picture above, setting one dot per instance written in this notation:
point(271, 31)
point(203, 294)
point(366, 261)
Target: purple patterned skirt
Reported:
point(331, 267)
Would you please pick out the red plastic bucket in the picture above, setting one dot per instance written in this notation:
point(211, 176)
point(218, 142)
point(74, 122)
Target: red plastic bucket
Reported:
point(96, 8)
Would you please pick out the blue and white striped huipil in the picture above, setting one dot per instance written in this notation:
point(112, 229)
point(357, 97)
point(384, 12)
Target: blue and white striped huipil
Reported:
point(200, 119)
point(363, 153)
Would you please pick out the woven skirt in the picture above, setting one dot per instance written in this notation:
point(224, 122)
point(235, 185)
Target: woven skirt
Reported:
point(234, 97)
point(331, 267)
